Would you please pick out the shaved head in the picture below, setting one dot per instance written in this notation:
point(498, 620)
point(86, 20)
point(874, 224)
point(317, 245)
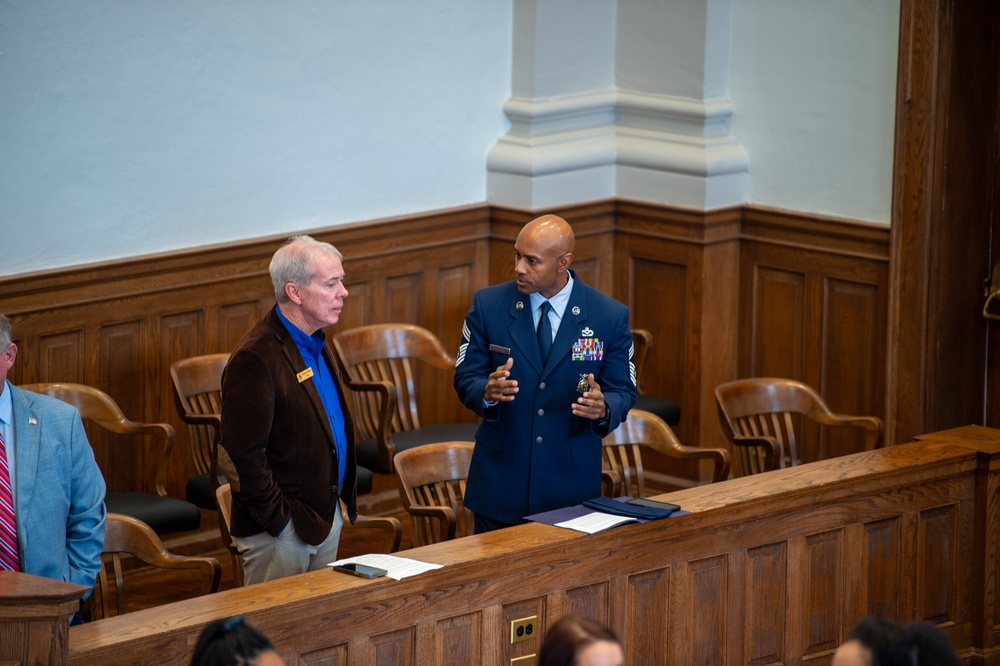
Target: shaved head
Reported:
point(550, 231)
point(542, 255)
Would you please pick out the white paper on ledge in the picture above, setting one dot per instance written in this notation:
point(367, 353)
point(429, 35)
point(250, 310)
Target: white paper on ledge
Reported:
point(592, 523)
point(398, 567)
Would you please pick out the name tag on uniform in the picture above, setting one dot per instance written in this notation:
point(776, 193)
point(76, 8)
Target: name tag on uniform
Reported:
point(304, 375)
point(500, 350)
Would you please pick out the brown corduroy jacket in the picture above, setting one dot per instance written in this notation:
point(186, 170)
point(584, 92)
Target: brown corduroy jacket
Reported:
point(275, 430)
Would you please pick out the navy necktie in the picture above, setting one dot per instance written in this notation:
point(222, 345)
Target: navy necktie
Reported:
point(544, 331)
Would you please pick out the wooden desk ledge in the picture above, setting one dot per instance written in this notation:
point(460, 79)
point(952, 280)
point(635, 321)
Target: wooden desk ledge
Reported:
point(537, 565)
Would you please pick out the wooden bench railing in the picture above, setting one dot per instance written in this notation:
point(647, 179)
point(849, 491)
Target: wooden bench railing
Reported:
point(775, 568)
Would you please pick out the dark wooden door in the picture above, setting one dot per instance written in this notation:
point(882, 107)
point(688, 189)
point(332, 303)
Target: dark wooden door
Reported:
point(944, 195)
point(993, 337)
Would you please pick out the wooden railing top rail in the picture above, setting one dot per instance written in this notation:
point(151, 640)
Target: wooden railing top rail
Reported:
point(527, 561)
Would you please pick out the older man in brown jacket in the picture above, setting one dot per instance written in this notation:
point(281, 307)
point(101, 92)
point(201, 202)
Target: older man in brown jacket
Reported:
point(286, 424)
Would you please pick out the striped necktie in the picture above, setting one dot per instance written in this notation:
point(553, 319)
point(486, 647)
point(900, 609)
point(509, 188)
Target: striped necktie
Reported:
point(8, 528)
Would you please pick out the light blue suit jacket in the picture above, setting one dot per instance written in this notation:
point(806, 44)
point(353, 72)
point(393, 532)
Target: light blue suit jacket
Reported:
point(60, 491)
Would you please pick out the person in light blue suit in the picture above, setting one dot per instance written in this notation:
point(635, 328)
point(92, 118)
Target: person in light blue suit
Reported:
point(57, 486)
point(539, 445)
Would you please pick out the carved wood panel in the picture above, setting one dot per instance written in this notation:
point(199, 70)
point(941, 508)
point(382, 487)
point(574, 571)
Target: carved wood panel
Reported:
point(883, 547)
point(649, 636)
point(765, 598)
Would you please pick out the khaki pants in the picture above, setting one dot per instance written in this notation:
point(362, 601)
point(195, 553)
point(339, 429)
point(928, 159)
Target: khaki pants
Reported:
point(266, 557)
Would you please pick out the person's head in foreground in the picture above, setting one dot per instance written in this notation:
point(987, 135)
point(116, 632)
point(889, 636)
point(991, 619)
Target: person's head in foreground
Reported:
point(580, 641)
point(233, 642)
point(879, 642)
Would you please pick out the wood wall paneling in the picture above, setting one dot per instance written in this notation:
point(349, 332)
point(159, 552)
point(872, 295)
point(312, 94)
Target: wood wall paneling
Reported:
point(677, 271)
point(813, 297)
point(765, 602)
point(824, 563)
point(235, 319)
point(883, 547)
point(458, 640)
point(60, 356)
point(776, 316)
point(649, 637)
point(708, 585)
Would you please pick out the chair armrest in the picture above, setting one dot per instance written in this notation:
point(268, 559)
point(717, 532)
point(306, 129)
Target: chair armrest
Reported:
point(386, 393)
point(393, 530)
point(445, 514)
point(773, 449)
point(870, 423)
point(209, 567)
point(719, 456)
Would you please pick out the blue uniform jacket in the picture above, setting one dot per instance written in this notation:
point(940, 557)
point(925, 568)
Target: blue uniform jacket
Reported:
point(532, 454)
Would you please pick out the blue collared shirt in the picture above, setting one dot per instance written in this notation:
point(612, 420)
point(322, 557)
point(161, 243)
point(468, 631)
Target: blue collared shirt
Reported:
point(558, 303)
point(311, 348)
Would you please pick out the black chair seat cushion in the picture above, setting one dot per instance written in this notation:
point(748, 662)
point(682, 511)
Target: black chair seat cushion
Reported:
point(163, 514)
point(666, 410)
point(408, 439)
point(199, 491)
point(364, 480)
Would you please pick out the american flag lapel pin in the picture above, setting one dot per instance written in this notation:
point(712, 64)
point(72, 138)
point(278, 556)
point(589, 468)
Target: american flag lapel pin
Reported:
point(32, 420)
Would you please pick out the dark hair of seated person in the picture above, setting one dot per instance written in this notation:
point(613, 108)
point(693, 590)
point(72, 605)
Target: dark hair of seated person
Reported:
point(232, 642)
point(933, 646)
point(916, 644)
point(570, 636)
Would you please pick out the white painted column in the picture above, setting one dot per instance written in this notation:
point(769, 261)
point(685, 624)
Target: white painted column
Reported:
point(560, 148)
point(622, 99)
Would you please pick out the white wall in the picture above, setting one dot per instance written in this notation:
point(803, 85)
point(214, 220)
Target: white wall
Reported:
point(129, 127)
point(813, 83)
point(133, 126)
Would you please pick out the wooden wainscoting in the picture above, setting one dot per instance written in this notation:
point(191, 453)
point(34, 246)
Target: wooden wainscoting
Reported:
point(119, 325)
point(737, 292)
point(813, 303)
point(754, 292)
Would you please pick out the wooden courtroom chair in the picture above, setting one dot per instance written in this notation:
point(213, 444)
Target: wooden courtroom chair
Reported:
point(392, 530)
point(197, 384)
point(378, 363)
point(431, 482)
point(667, 410)
point(124, 535)
point(162, 513)
point(624, 473)
point(763, 419)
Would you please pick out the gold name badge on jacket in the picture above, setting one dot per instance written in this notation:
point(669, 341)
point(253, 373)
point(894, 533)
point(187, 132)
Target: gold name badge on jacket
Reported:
point(304, 375)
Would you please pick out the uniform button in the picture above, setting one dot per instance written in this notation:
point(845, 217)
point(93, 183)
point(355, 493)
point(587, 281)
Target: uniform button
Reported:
point(538, 440)
point(541, 387)
point(541, 412)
